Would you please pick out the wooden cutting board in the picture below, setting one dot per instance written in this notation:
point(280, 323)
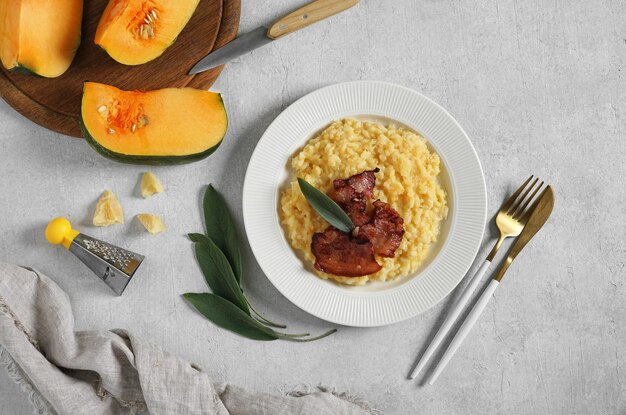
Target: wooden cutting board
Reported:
point(55, 103)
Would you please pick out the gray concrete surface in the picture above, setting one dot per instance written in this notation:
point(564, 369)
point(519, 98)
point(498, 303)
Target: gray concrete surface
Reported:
point(539, 87)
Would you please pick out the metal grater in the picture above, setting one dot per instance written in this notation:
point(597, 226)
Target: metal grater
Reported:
point(115, 266)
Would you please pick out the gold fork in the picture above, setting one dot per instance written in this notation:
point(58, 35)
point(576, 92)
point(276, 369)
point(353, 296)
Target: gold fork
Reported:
point(510, 220)
point(512, 216)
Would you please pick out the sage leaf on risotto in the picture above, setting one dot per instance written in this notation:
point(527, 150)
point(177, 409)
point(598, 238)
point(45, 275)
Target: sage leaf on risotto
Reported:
point(326, 207)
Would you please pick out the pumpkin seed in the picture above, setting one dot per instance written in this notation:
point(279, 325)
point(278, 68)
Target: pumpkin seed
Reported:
point(111, 131)
point(154, 14)
point(133, 128)
point(102, 108)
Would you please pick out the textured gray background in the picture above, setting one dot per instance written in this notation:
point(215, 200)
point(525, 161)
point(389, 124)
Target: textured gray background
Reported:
point(538, 86)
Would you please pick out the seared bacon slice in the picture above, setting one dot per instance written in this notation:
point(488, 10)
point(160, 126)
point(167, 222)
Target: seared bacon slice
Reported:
point(385, 231)
point(361, 183)
point(339, 254)
point(350, 194)
point(352, 203)
point(379, 232)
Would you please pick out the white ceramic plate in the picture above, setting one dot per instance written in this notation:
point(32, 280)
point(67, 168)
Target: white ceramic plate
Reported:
point(377, 303)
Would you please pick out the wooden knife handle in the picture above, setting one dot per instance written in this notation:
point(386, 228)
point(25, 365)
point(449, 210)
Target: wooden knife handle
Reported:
point(307, 15)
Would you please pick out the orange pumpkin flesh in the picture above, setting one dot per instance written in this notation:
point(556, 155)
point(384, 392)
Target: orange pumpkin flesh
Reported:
point(39, 36)
point(166, 126)
point(137, 31)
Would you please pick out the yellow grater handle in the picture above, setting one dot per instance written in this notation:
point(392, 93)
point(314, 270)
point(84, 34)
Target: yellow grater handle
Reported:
point(59, 231)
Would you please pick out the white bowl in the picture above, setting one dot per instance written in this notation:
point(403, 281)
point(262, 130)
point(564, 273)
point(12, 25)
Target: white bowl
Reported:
point(376, 303)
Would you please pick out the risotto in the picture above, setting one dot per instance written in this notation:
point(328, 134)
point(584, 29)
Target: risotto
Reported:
point(408, 181)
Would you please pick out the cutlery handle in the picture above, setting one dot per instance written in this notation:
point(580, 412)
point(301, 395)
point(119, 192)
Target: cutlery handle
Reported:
point(469, 322)
point(451, 318)
point(307, 15)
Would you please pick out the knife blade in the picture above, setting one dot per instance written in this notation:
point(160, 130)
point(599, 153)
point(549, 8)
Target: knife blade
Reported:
point(299, 19)
point(539, 214)
point(240, 46)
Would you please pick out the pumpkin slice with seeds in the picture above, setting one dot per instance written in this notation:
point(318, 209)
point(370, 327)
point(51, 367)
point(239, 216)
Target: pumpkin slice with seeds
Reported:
point(165, 126)
point(137, 31)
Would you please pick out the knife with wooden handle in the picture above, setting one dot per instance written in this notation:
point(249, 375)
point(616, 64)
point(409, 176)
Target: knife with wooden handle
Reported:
point(299, 19)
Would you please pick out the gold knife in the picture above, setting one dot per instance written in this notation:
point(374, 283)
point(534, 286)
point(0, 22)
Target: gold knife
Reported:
point(539, 214)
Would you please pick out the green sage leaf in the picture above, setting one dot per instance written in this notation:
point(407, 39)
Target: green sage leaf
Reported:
point(228, 316)
point(330, 211)
point(200, 238)
point(197, 237)
point(220, 227)
point(219, 257)
point(217, 271)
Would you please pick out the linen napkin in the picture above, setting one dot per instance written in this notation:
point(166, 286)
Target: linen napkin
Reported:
point(115, 372)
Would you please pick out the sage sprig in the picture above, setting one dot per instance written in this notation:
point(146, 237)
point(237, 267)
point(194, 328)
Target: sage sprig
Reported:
point(219, 256)
point(217, 271)
point(326, 207)
point(220, 228)
point(226, 315)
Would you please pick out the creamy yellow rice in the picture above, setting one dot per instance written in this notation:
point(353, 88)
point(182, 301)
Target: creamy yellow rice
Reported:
point(408, 180)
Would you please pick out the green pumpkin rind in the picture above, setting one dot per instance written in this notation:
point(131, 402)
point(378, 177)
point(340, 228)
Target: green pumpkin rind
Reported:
point(23, 70)
point(146, 160)
point(149, 160)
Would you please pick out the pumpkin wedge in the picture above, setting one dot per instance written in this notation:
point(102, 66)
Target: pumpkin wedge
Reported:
point(39, 37)
point(165, 126)
point(137, 31)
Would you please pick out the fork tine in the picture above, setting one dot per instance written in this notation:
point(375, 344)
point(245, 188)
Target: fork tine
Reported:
point(519, 212)
point(509, 202)
point(532, 207)
point(520, 199)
